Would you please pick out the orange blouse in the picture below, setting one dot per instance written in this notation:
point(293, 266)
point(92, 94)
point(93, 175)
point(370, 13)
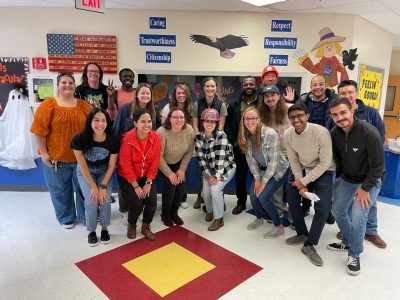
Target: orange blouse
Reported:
point(59, 124)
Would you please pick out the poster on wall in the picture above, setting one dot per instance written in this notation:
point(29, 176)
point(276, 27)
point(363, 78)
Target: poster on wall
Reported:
point(71, 52)
point(13, 70)
point(370, 85)
point(41, 87)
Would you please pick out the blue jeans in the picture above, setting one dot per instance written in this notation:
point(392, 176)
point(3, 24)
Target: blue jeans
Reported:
point(264, 200)
point(93, 209)
point(61, 186)
point(351, 220)
point(213, 195)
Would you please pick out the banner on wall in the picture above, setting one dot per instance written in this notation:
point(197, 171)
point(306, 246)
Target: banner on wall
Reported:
point(12, 70)
point(71, 52)
point(370, 85)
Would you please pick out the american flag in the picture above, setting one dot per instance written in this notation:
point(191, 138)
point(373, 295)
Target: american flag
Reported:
point(70, 52)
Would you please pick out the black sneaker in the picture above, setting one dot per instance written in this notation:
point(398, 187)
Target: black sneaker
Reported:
point(338, 247)
point(353, 265)
point(331, 219)
point(92, 239)
point(112, 199)
point(104, 237)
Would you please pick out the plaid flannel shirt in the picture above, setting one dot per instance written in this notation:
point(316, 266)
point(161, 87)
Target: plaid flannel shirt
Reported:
point(277, 165)
point(215, 155)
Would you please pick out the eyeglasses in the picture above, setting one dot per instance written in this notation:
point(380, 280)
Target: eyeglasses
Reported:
point(177, 117)
point(344, 94)
point(298, 117)
point(93, 71)
point(251, 119)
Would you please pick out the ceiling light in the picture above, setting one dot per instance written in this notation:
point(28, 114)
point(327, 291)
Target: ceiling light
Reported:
point(262, 2)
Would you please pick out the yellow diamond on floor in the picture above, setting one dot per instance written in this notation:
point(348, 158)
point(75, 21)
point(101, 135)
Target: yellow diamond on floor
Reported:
point(168, 268)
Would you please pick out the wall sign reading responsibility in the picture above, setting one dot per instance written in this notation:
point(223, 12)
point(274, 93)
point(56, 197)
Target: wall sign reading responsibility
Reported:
point(278, 60)
point(158, 23)
point(157, 40)
point(158, 57)
point(280, 43)
point(281, 25)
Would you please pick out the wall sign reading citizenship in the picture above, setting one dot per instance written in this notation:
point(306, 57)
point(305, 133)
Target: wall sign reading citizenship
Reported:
point(280, 43)
point(281, 25)
point(157, 40)
point(98, 6)
point(158, 57)
point(158, 23)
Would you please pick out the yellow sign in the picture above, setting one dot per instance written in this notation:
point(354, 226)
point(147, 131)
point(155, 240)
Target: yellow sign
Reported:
point(370, 85)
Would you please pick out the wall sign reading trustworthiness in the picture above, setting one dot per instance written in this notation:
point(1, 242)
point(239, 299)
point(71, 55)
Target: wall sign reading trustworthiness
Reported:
point(370, 84)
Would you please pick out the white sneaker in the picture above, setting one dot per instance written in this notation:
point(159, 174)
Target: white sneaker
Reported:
point(68, 225)
point(275, 232)
point(184, 205)
point(125, 218)
point(255, 224)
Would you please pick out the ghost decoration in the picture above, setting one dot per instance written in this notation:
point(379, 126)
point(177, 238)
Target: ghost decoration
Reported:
point(17, 145)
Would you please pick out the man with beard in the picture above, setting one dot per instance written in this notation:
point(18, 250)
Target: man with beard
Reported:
point(317, 102)
point(348, 89)
point(248, 98)
point(360, 170)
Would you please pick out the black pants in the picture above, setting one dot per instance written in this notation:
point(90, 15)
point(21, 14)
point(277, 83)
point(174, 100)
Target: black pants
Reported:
point(172, 195)
point(241, 175)
point(123, 204)
point(147, 205)
point(323, 188)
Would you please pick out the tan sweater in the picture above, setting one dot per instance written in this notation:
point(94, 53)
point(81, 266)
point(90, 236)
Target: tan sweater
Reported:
point(310, 151)
point(175, 147)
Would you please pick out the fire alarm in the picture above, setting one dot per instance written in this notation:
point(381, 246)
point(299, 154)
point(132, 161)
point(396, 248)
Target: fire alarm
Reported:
point(39, 63)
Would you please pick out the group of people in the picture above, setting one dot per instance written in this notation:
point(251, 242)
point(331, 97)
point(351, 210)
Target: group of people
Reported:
point(281, 138)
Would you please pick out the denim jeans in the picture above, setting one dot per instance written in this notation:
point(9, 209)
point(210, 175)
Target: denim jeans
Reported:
point(264, 201)
point(172, 195)
point(93, 209)
point(372, 223)
point(213, 195)
point(323, 188)
point(351, 220)
point(61, 186)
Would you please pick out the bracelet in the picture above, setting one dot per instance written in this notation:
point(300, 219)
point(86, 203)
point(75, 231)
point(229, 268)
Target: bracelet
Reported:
point(135, 187)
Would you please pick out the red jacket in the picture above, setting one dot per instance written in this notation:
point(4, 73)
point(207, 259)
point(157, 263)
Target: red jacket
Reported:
point(135, 164)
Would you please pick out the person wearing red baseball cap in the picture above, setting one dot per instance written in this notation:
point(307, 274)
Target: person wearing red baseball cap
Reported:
point(270, 76)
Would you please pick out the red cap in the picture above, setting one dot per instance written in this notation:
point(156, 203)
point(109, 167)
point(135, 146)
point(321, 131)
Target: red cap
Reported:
point(210, 114)
point(268, 69)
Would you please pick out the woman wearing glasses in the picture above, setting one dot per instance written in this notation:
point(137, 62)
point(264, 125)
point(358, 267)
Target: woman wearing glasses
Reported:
point(176, 151)
point(268, 166)
point(56, 121)
point(92, 88)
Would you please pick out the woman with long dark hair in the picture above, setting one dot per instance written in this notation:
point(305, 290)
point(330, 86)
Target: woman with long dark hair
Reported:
point(182, 98)
point(139, 158)
point(96, 150)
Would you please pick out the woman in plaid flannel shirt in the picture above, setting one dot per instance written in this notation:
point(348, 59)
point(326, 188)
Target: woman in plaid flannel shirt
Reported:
point(216, 161)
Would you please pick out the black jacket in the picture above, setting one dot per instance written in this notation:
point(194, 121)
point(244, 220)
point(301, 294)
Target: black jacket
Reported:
point(306, 99)
point(232, 121)
point(359, 156)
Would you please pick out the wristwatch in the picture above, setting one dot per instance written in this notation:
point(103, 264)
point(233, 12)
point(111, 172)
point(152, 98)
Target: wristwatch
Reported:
point(149, 182)
point(103, 186)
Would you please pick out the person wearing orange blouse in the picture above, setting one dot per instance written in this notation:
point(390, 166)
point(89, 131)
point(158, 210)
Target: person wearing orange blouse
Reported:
point(56, 121)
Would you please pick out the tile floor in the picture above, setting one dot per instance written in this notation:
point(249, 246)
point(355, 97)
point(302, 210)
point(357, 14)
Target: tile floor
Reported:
point(38, 256)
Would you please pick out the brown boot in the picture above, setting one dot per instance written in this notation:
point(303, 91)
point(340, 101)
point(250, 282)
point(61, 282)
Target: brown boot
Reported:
point(131, 231)
point(198, 202)
point(217, 224)
point(209, 217)
point(148, 234)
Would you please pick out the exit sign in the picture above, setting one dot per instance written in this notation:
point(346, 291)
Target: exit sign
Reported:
point(91, 5)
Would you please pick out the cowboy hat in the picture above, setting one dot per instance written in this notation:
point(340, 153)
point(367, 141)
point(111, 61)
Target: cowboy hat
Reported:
point(327, 36)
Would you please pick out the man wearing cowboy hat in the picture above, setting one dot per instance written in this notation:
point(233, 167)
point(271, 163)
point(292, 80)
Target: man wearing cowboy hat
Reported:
point(327, 48)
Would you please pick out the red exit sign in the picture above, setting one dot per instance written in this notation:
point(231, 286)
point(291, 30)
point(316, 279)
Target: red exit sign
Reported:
point(91, 5)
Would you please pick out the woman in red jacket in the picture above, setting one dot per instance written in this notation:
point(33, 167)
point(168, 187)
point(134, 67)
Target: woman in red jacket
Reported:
point(138, 164)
